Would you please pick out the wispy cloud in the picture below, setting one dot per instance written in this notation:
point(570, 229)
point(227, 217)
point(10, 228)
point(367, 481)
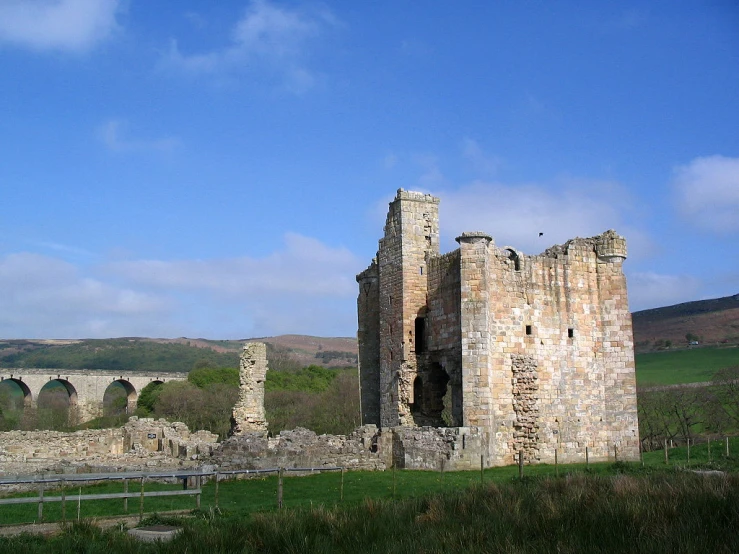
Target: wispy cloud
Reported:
point(268, 37)
point(304, 287)
point(653, 290)
point(515, 214)
point(47, 297)
point(305, 266)
point(707, 193)
point(484, 163)
point(111, 133)
point(65, 25)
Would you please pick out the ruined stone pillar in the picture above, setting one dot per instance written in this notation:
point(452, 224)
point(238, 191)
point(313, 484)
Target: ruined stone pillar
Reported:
point(248, 413)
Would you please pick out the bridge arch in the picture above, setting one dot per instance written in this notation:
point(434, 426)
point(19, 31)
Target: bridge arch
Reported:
point(12, 386)
point(120, 388)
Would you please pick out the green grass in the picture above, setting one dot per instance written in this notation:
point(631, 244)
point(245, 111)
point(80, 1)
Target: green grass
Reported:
point(245, 497)
point(665, 511)
point(673, 367)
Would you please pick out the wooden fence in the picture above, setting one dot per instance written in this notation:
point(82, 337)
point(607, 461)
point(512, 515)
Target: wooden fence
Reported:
point(61, 483)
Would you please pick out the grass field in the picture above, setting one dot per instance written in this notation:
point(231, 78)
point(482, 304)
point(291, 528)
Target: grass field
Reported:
point(607, 507)
point(673, 367)
point(245, 497)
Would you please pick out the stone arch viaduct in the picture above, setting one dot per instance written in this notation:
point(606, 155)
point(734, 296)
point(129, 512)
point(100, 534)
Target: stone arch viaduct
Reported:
point(86, 387)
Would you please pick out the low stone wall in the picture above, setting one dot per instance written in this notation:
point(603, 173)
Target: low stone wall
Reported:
point(141, 444)
point(300, 448)
point(435, 448)
point(367, 448)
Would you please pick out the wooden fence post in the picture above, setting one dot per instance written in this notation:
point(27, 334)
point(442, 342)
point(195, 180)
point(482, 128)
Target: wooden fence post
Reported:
point(727, 447)
point(141, 500)
point(520, 464)
point(64, 502)
point(341, 496)
point(279, 489)
point(41, 503)
point(216, 493)
point(667, 459)
point(587, 457)
point(482, 472)
point(615, 453)
point(709, 449)
point(393, 478)
point(198, 484)
point(688, 451)
point(125, 500)
point(556, 465)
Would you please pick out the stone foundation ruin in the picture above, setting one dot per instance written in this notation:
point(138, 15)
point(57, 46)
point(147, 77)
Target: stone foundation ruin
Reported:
point(140, 445)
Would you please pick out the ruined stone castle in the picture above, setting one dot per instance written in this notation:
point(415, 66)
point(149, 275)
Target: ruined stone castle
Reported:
point(520, 353)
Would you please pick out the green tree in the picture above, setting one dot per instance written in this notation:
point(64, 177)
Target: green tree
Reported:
point(148, 396)
point(203, 376)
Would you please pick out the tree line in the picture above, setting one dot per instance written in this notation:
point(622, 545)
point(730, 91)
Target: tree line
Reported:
point(682, 413)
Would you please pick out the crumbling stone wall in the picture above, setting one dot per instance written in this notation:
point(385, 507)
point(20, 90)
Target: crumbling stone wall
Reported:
point(248, 413)
point(141, 444)
point(367, 448)
point(526, 407)
point(300, 448)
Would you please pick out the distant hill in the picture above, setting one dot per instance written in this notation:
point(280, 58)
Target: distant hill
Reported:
point(182, 354)
point(713, 321)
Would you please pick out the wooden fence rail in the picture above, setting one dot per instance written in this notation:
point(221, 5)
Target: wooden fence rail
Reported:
point(142, 478)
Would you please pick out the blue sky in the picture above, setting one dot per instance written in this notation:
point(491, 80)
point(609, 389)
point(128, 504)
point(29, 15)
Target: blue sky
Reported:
point(222, 169)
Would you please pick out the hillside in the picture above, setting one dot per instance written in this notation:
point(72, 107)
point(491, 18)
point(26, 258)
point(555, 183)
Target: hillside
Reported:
point(714, 321)
point(182, 354)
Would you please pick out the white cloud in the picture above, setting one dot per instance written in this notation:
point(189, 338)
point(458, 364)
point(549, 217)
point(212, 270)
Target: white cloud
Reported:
point(66, 25)
point(111, 134)
point(483, 163)
point(707, 193)
point(514, 215)
point(304, 267)
point(48, 297)
point(268, 37)
point(304, 287)
point(654, 290)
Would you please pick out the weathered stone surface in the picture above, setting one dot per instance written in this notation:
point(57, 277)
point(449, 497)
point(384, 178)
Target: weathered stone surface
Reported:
point(300, 448)
point(141, 444)
point(248, 413)
point(535, 352)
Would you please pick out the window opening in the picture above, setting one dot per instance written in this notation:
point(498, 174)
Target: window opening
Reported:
point(570, 332)
point(528, 329)
point(420, 334)
point(417, 405)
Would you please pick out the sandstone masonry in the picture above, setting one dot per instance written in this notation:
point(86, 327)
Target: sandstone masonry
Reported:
point(248, 413)
point(140, 445)
point(535, 353)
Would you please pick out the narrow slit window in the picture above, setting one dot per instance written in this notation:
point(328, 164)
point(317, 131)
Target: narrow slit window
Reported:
point(421, 268)
point(570, 333)
point(420, 334)
point(528, 329)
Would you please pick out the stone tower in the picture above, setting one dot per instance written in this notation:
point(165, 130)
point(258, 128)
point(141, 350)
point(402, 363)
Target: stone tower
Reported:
point(392, 328)
point(533, 352)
